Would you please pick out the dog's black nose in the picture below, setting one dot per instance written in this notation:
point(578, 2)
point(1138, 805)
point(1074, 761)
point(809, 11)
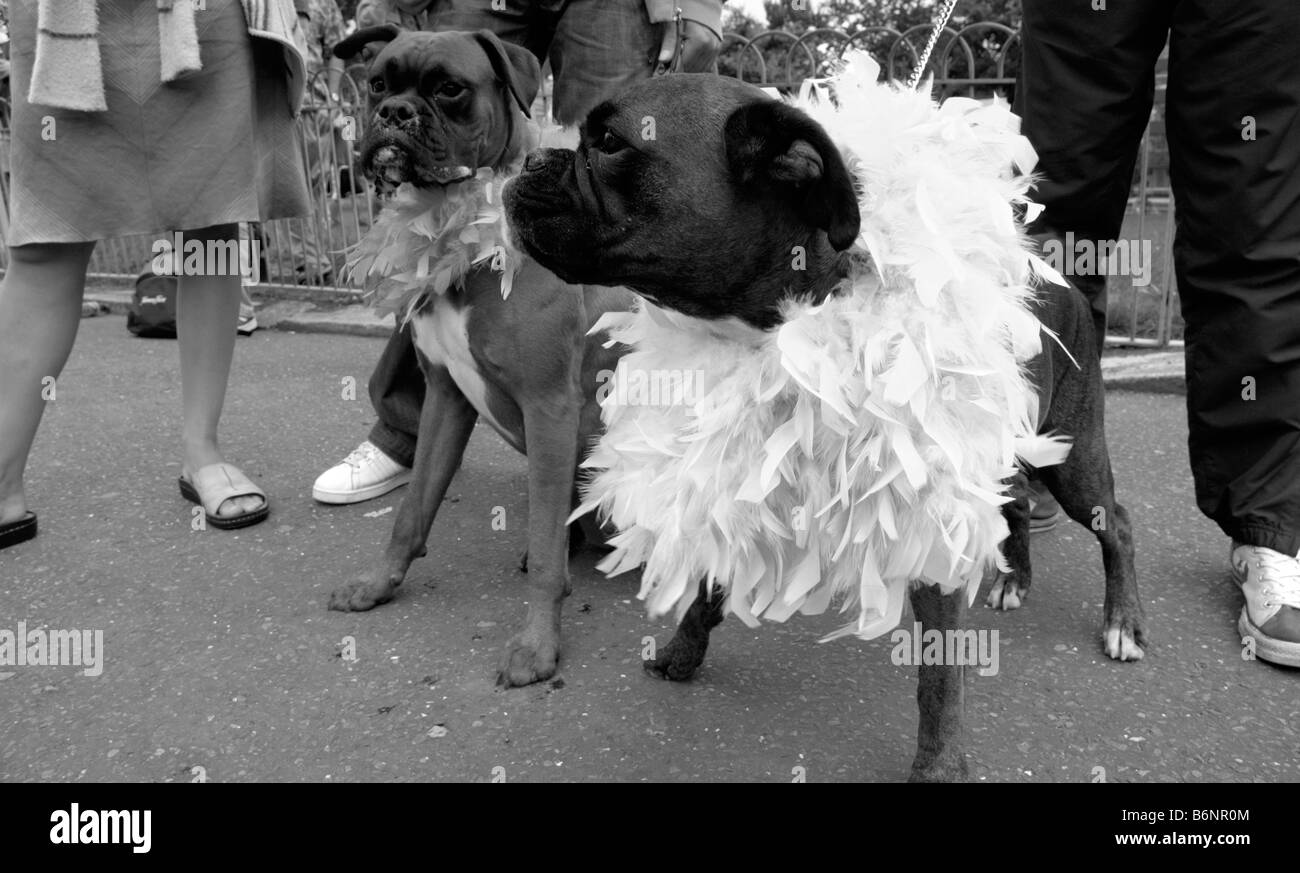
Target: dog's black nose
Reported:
point(395, 111)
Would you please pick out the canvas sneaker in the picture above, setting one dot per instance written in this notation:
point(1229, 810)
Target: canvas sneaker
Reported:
point(1271, 583)
point(365, 474)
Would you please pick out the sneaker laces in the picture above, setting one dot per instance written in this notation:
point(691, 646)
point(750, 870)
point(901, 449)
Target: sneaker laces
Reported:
point(362, 455)
point(1279, 577)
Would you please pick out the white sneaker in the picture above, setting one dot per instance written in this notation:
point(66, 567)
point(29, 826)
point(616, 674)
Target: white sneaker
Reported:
point(365, 474)
point(1271, 583)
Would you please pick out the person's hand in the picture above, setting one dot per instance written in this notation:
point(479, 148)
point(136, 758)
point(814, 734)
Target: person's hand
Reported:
point(700, 47)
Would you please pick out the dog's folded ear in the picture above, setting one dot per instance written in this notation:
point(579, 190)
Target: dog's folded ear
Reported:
point(773, 143)
point(514, 65)
point(349, 47)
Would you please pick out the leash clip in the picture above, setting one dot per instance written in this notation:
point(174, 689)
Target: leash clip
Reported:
point(674, 64)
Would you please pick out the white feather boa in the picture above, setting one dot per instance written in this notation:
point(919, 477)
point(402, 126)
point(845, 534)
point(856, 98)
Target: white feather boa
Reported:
point(866, 442)
point(427, 240)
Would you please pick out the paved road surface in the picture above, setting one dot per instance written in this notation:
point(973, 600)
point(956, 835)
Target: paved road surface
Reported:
point(220, 653)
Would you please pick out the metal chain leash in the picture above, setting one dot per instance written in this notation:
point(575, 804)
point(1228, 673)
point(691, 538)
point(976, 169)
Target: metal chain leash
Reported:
point(940, 22)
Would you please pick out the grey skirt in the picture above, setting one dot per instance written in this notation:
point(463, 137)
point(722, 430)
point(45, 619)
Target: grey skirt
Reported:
point(216, 147)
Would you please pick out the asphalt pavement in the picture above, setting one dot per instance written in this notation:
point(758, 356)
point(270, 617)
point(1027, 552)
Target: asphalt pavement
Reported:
point(222, 663)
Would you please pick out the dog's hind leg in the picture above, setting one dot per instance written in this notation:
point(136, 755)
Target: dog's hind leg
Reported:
point(446, 422)
point(1010, 589)
point(939, 692)
point(1085, 487)
point(684, 653)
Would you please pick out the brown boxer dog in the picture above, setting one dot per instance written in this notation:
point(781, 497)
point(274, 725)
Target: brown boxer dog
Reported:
point(443, 105)
point(701, 218)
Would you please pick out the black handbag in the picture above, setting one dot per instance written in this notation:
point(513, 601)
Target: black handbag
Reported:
point(153, 306)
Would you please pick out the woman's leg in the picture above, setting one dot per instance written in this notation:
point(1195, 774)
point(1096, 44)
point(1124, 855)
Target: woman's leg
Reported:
point(207, 310)
point(40, 310)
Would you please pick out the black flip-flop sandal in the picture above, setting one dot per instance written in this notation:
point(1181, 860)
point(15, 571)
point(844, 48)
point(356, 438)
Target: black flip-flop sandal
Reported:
point(20, 531)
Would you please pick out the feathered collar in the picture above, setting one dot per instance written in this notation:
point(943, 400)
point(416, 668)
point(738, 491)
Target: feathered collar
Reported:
point(427, 240)
point(865, 443)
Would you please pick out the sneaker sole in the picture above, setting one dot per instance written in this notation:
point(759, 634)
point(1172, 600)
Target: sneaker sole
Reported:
point(341, 498)
point(1267, 648)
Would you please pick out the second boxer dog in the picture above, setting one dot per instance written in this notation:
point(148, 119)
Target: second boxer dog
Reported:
point(444, 105)
point(701, 219)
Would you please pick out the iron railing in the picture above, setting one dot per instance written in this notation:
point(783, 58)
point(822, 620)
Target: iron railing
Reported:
point(987, 50)
point(981, 60)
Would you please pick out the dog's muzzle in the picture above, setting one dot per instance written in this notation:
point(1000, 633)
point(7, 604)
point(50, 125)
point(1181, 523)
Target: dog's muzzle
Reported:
point(395, 157)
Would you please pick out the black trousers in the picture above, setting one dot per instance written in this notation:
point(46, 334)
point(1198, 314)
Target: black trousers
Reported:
point(1233, 115)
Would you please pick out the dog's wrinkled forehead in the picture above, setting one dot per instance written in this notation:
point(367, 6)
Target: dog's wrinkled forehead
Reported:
point(663, 113)
point(415, 58)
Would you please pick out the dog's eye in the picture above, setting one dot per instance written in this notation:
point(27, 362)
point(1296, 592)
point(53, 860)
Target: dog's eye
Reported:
point(377, 85)
point(451, 89)
point(609, 143)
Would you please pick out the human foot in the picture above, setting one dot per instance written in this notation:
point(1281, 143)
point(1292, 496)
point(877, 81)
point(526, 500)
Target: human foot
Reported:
point(1270, 582)
point(13, 508)
point(204, 453)
point(220, 486)
point(365, 474)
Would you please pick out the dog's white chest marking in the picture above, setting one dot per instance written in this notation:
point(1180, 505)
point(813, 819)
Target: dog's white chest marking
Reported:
point(442, 334)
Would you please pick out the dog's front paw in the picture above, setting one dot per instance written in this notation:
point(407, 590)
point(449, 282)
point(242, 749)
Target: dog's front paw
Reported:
point(529, 657)
point(362, 595)
point(1125, 637)
point(1007, 593)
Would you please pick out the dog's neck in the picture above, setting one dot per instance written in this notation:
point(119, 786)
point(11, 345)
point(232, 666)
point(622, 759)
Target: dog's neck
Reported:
point(823, 272)
point(811, 277)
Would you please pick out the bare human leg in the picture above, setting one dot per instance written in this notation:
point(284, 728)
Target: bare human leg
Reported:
point(207, 310)
point(40, 311)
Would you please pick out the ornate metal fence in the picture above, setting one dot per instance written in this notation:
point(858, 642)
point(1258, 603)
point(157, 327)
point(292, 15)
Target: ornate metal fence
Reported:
point(304, 257)
point(981, 60)
point(977, 60)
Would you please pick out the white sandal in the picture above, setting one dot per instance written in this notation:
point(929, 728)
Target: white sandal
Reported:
point(213, 485)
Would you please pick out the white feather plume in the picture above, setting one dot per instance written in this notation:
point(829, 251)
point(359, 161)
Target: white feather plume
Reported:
point(866, 443)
